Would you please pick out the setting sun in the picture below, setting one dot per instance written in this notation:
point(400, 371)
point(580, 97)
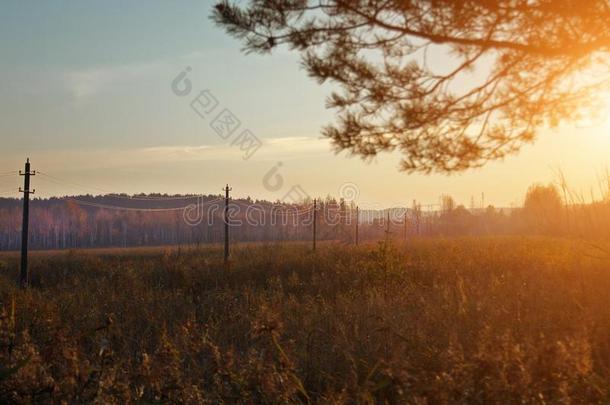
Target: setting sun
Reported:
point(305, 202)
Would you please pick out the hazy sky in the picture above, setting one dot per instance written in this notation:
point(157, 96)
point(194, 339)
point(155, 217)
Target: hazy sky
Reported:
point(85, 92)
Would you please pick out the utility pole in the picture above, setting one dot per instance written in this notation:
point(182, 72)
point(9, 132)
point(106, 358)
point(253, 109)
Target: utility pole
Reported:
point(416, 216)
point(405, 224)
point(315, 217)
point(357, 223)
point(387, 226)
point(23, 274)
point(226, 190)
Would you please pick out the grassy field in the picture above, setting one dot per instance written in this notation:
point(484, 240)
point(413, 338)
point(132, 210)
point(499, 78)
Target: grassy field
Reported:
point(495, 320)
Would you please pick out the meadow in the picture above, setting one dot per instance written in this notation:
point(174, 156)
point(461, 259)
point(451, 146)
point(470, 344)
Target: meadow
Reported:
point(432, 321)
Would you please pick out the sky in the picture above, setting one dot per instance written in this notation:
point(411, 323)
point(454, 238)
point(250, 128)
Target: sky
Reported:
point(86, 93)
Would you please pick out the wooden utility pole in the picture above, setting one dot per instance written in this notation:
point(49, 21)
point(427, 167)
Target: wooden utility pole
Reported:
point(387, 226)
point(417, 213)
point(405, 224)
point(357, 223)
point(226, 190)
point(23, 274)
point(315, 218)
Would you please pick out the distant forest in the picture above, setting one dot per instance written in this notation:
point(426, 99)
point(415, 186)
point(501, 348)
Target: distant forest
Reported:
point(150, 220)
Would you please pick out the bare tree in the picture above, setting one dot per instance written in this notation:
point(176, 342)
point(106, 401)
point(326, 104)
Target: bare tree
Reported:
point(513, 66)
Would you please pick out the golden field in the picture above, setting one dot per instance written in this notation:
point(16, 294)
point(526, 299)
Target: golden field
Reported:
point(433, 321)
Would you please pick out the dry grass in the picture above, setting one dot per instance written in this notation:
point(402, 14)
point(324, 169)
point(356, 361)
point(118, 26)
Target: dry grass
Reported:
point(440, 321)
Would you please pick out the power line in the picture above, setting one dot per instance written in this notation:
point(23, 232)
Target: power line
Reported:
point(108, 193)
point(5, 174)
point(283, 209)
point(66, 182)
point(154, 198)
point(299, 212)
point(117, 208)
point(13, 183)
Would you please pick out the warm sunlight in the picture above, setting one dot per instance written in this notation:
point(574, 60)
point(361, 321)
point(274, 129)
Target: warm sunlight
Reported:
point(305, 202)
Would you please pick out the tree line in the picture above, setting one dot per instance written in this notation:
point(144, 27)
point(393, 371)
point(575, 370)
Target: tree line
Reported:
point(146, 220)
